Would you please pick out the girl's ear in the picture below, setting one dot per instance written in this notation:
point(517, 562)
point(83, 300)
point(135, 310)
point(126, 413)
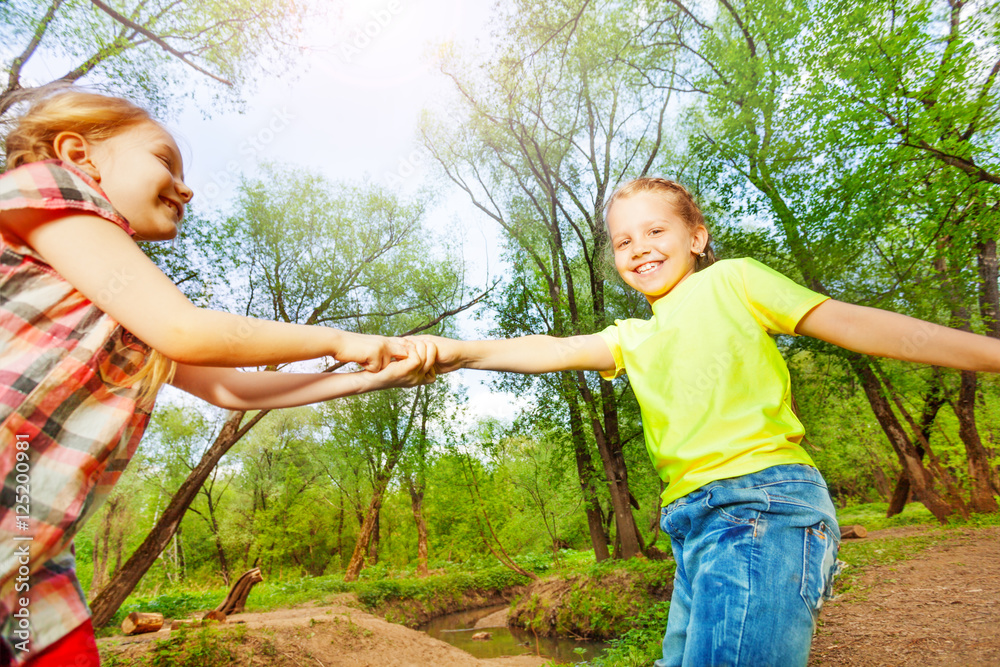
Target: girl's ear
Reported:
point(72, 148)
point(699, 239)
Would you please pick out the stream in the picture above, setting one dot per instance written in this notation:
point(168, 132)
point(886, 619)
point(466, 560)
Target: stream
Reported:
point(457, 630)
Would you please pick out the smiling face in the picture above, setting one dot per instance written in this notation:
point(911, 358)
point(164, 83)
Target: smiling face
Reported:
point(141, 172)
point(654, 249)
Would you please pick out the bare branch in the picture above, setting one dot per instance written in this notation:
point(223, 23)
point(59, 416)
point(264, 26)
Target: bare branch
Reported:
point(156, 40)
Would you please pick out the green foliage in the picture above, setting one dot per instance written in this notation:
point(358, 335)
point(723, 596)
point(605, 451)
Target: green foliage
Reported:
point(640, 645)
point(180, 604)
point(873, 516)
point(599, 601)
point(220, 40)
point(208, 646)
point(448, 586)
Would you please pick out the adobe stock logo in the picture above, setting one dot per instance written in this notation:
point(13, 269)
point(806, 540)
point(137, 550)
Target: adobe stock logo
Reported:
point(252, 146)
point(363, 34)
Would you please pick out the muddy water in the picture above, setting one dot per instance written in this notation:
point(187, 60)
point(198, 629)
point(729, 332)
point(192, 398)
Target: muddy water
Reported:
point(457, 630)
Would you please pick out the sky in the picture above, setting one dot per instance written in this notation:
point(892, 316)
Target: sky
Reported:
point(350, 108)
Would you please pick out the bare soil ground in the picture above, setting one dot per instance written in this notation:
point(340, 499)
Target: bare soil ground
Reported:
point(941, 607)
point(330, 636)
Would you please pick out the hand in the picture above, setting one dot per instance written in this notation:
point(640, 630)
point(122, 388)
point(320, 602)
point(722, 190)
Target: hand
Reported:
point(372, 353)
point(448, 352)
point(416, 369)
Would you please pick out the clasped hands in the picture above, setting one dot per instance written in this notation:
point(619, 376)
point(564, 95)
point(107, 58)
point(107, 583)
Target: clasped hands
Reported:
point(403, 362)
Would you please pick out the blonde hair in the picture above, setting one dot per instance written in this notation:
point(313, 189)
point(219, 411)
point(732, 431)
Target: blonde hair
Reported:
point(96, 118)
point(678, 197)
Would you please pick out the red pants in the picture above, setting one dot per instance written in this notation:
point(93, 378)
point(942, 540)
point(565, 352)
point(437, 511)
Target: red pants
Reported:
point(77, 649)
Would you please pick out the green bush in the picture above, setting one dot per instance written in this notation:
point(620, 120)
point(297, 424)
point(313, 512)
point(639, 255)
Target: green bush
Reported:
point(371, 594)
point(639, 646)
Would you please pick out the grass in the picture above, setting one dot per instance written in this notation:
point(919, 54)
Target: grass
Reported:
point(209, 646)
point(872, 516)
point(597, 601)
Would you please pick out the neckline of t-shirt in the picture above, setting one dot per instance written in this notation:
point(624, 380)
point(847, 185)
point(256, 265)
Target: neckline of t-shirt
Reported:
point(679, 291)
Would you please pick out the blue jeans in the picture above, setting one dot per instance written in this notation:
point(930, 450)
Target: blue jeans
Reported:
point(756, 556)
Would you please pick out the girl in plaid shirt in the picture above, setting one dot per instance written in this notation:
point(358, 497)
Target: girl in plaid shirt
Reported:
point(89, 330)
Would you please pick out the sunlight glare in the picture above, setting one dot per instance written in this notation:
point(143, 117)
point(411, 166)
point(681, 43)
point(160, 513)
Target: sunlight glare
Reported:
point(381, 43)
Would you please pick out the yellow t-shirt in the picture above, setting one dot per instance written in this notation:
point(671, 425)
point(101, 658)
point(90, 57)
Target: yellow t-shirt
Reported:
point(714, 391)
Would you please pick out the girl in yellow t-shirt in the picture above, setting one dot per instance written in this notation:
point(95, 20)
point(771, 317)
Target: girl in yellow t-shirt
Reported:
point(750, 520)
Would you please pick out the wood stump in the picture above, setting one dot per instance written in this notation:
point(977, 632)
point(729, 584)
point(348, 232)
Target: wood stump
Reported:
point(237, 598)
point(848, 532)
point(137, 623)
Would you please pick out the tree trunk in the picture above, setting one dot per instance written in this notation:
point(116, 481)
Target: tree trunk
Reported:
point(357, 562)
point(900, 496)
point(223, 564)
point(417, 503)
point(106, 539)
point(111, 596)
point(980, 473)
point(373, 540)
point(236, 599)
point(980, 477)
point(586, 473)
point(609, 446)
point(119, 543)
point(989, 292)
point(933, 401)
point(95, 579)
point(340, 530)
point(920, 479)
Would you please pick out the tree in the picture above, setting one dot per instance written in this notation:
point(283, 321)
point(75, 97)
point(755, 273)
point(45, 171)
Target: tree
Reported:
point(386, 426)
point(143, 49)
point(546, 138)
point(307, 259)
point(799, 105)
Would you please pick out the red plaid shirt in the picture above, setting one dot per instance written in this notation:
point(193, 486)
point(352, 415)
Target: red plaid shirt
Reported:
point(68, 425)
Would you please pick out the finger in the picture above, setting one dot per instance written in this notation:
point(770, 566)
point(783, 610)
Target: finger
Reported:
point(398, 348)
point(419, 353)
point(431, 358)
point(375, 364)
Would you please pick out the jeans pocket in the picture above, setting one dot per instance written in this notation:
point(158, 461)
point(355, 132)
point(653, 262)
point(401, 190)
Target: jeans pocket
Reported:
point(819, 566)
point(738, 506)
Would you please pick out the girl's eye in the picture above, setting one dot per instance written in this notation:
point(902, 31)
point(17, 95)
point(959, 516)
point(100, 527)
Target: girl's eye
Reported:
point(164, 160)
point(654, 232)
point(621, 244)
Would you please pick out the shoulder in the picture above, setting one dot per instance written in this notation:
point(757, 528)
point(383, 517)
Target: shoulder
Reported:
point(53, 185)
point(744, 270)
point(735, 267)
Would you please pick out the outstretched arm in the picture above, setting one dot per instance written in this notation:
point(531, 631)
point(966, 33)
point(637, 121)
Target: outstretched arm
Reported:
point(528, 354)
point(264, 390)
point(886, 334)
point(105, 265)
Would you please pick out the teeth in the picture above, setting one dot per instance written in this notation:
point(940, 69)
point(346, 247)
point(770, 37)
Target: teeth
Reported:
point(646, 268)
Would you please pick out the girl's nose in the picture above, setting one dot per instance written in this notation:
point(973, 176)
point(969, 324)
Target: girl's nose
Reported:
point(184, 191)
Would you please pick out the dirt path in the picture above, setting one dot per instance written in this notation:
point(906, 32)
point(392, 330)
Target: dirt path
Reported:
point(941, 607)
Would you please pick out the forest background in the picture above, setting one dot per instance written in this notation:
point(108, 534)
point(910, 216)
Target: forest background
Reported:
point(854, 149)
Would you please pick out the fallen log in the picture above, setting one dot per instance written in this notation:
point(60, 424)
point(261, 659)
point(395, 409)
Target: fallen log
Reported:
point(237, 598)
point(138, 623)
point(849, 532)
